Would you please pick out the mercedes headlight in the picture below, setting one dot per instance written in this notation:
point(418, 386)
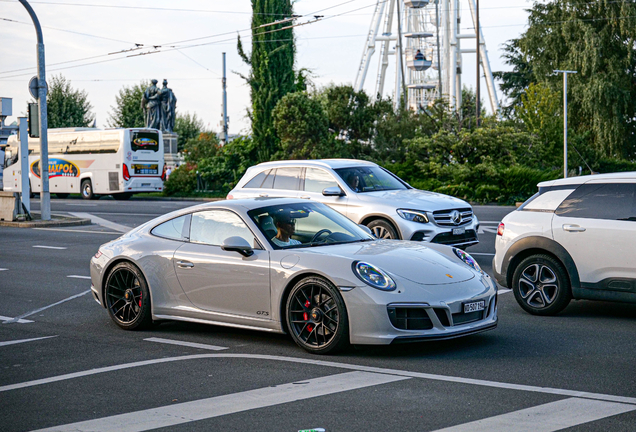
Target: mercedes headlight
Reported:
point(467, 259)
point(373, 276)
point(413, 215)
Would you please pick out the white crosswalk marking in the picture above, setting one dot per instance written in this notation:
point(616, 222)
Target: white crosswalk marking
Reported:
point(546, 418)
point(13, 342)
point(187, 412)
point(188, 344)
point(103, 222)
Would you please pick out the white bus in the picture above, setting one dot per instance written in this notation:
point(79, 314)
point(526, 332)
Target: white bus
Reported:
point(93, 162)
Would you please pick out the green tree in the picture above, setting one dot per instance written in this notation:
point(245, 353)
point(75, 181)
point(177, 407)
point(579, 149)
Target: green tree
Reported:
point(272, 73)
point(67, 107)
point(127, 112)
point(302, 126)
point(597, 39)
point(187, 127)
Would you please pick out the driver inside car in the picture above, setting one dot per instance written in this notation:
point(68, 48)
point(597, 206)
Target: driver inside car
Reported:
point(285, 225)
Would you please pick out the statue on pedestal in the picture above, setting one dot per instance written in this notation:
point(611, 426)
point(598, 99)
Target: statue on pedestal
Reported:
point(168, 108)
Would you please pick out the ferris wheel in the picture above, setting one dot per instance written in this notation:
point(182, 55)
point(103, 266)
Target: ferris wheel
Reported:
point(423, 41)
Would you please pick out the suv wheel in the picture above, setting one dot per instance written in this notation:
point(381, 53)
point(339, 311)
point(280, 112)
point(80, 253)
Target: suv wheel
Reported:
point(541, 285)
point(382, 229)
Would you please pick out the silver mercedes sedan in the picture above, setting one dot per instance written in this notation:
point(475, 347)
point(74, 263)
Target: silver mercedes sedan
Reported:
point(291, 266)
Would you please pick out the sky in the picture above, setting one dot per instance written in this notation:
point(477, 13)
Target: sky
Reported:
point(93, 43)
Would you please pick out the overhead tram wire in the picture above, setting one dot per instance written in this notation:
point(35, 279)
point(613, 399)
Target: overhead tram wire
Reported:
point(188, 46)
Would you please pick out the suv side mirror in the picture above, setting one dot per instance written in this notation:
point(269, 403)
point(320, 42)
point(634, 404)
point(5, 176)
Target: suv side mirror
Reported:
point(333, 191)
point(237, 244)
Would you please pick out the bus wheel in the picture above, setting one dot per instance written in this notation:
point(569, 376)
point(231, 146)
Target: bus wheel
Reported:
point(122, 196)
point(61, 195)
point(87, 190)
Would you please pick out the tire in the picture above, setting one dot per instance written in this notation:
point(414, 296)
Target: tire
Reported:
point(61, 195)
point(124, 196)
point(541, 285)
point(87, 190)
point(382, 229)
point(127, 297)
point(317, 317)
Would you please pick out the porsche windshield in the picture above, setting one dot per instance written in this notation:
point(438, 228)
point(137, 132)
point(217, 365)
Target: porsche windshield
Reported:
point(305, 224)
point(370, 179)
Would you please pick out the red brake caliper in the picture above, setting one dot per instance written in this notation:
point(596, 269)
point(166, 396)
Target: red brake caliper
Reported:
point(140, 299)
point(306, 317)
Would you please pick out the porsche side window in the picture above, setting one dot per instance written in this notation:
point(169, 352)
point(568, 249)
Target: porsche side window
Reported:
point(317, 180)
point(214, 226)
point(172, 229)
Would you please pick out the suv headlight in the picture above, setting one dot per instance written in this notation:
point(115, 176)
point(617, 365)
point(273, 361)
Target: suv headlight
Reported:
point(373, 276)
point(467, 259)
point(413, 215)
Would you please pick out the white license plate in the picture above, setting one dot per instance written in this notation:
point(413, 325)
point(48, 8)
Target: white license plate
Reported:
point(474, 306)
point(145, 184)
point(459, 231)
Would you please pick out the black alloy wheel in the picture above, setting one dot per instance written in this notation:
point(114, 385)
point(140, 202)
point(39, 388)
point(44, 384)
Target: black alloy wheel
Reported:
point(87, 190)
point(317, 317)
point(382, 229)
point(127, 297)
point(541, 285)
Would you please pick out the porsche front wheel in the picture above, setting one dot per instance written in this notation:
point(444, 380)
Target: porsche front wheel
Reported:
point(316, 316)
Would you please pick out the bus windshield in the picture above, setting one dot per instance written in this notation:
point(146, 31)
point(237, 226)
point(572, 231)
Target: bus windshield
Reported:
point(144, 140)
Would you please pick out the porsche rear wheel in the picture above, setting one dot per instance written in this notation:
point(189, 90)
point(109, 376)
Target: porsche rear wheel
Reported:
point(316, 316)
point(127, 297)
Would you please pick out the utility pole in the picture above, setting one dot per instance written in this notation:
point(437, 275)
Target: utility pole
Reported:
point(477, 92)
point(565, 119)
point(224, 121)
point(45, 196)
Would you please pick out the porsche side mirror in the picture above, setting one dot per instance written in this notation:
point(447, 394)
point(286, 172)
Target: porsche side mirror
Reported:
point(366, 229)
point(333, 191)
point(237, 244)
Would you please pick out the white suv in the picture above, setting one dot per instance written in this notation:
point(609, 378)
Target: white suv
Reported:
point(576, 238)
point(367, 194)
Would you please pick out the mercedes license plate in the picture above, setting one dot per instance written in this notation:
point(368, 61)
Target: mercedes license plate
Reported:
point(474, 306)
point(459, 231)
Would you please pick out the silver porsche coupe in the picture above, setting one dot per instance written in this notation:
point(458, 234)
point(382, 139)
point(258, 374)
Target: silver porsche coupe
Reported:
point(291, 266)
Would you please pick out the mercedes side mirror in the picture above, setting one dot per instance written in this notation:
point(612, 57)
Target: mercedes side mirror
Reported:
point(333, 191)
point(237, 244)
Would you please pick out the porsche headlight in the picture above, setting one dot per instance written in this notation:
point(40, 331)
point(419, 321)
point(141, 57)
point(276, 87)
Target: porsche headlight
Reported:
point(413, 215)
point(468, 260)
point(373, 276)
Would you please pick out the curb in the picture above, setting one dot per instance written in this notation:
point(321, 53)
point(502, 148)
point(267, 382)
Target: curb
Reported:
point(56, 221)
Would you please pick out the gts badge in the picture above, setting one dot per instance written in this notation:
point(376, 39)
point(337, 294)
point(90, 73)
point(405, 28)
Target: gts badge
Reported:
point(262, 313)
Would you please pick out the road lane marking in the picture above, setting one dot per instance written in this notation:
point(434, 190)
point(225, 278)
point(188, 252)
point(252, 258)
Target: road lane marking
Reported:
point(78, 277)
point(20, 321)
point(13, 342)
point(324, 363)
point(503, 290)
point(83, 205)
point(483, 230)
point(188, 344)
point(49, 247)
point(78, 231)
point(3, 269)
point(103, 222)
point(549, 417)
point(172, 415)
point(482, 253)
point(16, 319)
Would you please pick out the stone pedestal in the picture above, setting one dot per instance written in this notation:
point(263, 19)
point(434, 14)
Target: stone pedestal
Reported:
point(171, 156)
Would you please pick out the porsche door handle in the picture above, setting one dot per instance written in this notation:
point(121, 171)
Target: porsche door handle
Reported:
point(185, 264)
point(573, 228)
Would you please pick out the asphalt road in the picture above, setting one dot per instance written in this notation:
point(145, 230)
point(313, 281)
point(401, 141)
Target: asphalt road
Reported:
point(69, 363)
